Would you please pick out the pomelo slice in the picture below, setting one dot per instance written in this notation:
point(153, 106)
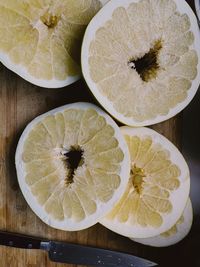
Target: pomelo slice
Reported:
point(173, 235)
point(72, 165)
point(141, 59)
point(158, 187)
point(40, 39)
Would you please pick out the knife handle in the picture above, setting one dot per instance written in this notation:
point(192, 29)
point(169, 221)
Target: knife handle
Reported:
point(19, 241)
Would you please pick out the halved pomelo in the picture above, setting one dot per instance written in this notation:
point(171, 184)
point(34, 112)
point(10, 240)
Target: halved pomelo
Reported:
point(72, 165)
point(40, 39)
point(174, 234)
point(141, 59)
point(158, 187)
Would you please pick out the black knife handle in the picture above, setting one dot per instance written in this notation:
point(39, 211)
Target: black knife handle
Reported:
point(19, 241)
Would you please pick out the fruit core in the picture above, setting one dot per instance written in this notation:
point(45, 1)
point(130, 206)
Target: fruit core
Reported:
point(49, 20)
point(137, 175)
point(74, 159)
point(147, 66)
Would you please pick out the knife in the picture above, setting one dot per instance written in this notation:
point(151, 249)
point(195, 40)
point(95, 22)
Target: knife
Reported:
point(75, 254)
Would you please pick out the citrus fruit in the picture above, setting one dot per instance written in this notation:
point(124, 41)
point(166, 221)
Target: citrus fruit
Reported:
point(173, 235)
point(141, 59)
point(40, 39)
point(72, 165)
point(157, 190)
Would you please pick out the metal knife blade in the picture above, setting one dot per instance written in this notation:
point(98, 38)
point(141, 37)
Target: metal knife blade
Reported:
point(75, 254)
point(83, 255)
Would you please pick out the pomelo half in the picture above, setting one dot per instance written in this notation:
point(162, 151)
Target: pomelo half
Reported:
point(40, 39)
point(141, 59)
point(72, 165)
point(158, 187)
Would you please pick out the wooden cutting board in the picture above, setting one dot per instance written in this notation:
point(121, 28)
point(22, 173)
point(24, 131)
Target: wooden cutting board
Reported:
point(20, 102)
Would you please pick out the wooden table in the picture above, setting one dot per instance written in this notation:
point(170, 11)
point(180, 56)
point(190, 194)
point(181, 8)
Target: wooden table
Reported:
point(20, 102)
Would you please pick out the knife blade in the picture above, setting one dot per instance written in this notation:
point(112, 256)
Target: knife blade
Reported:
point(73, 253)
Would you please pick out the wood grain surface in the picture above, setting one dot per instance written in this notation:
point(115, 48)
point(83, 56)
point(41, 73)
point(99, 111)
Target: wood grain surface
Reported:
point(20, 102)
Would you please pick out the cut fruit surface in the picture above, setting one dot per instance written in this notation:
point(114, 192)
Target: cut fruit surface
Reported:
point(72, 165)
point(173, 235)
point(158, 187)
point(141, 59)
point(40, 40)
